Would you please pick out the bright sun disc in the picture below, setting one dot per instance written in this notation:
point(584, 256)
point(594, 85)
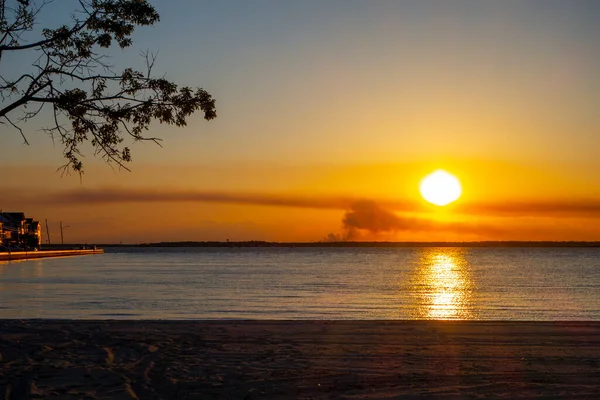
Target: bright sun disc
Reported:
point(440, 188)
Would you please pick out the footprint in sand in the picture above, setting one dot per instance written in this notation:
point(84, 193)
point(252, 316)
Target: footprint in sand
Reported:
point(110, 356)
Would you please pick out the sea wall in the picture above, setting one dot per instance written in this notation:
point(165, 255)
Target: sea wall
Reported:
point(27, 255)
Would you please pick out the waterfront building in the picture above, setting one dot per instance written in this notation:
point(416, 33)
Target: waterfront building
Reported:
point(17, 230)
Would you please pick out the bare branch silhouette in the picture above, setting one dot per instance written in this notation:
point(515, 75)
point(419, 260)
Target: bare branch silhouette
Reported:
point(90, 101)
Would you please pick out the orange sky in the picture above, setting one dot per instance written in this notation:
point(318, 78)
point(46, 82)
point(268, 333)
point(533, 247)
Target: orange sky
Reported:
point(306, 203)
point(330, 113)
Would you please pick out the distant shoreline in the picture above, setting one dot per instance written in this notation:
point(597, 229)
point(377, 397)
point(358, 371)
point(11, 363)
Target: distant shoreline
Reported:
point(494, 244)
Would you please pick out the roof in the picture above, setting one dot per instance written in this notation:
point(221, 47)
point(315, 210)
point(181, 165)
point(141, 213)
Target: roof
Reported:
point(12, 217)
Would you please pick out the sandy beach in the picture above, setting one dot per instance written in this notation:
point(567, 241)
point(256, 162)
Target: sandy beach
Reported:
point(298, 360)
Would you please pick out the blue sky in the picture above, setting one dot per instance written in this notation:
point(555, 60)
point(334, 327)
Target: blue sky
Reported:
point(288, 73)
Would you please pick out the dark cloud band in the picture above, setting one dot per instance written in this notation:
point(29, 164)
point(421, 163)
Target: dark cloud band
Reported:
point(81, 197)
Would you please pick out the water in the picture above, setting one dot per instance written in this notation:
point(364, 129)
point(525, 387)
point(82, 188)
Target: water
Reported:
point(308, 283)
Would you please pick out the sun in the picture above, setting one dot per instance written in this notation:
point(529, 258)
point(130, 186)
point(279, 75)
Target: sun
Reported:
point(440, 188)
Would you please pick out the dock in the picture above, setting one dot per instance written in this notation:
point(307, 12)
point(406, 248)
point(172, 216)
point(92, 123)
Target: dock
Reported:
point(29, 255)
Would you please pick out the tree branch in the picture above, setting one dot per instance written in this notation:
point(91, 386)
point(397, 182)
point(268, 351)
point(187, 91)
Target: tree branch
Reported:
point(17, 128)
point(23, 100)
point(90, 102)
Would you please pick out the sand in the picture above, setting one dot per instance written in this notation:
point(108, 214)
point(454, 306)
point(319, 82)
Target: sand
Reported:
point(298, 360)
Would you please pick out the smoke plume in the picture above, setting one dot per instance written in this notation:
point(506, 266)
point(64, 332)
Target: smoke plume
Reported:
point(366, 214)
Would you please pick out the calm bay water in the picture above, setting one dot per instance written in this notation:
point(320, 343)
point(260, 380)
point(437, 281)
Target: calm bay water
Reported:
point(308, 283)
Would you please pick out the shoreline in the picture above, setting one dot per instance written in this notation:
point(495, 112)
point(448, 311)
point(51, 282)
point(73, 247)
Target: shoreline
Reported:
point(256, 359)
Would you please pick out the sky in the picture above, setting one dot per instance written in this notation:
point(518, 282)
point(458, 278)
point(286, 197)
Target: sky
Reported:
point(329, 115)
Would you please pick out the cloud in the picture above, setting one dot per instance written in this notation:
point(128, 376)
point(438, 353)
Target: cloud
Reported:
point(554, 208)
point(117, 195)
point(114, 195)
point(379, 209)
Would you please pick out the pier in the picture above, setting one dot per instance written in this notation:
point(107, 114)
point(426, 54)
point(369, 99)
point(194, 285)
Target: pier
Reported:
point(28, 255)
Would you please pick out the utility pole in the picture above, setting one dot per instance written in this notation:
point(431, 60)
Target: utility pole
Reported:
point(61, 232)
point(48, 232)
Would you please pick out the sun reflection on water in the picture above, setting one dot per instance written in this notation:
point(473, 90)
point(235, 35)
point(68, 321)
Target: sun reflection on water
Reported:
point(442, 285)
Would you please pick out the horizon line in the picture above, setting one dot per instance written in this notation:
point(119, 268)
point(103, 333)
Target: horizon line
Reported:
point(261, 243)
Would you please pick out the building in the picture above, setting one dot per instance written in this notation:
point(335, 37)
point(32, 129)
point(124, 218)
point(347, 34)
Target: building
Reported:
point(17, 230)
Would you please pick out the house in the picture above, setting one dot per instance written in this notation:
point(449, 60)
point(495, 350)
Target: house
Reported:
point(17, 230)
point(32, 234)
